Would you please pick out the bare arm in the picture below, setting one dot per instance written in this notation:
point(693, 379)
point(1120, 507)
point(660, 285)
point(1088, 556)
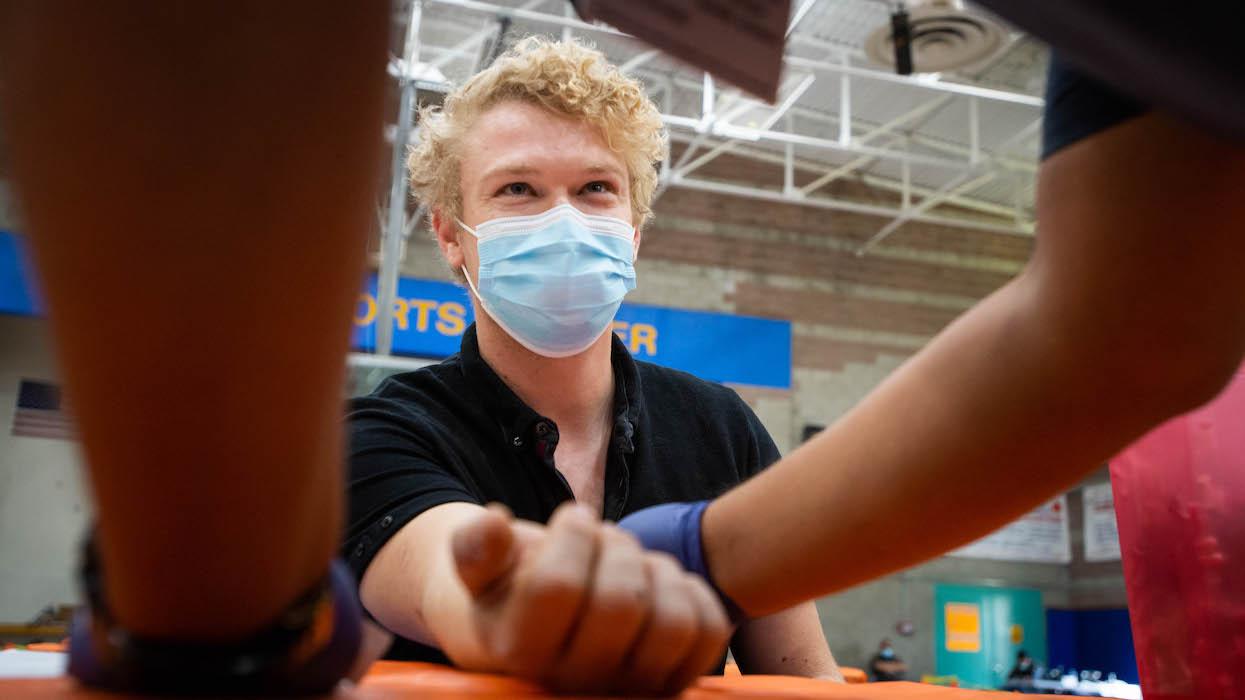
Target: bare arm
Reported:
point(412, 586)
point(197, 182)
point(891, 666)
point(1132, 310)
point(787, 643)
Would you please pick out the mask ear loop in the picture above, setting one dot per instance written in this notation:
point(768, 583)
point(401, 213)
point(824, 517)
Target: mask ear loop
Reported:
point(463, 268)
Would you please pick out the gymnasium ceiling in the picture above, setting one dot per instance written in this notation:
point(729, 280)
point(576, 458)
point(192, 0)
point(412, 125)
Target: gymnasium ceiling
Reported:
point(975, 170)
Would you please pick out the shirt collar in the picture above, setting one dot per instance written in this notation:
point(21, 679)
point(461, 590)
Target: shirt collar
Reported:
point(519, 420)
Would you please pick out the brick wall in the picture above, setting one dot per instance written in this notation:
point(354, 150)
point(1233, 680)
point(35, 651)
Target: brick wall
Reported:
point(855, 319)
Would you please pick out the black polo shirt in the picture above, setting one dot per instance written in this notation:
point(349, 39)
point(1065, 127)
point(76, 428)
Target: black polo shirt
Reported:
point(455, 432)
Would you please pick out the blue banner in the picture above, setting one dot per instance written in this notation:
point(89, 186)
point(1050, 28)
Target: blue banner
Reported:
point(430, 317)
point(16, 290)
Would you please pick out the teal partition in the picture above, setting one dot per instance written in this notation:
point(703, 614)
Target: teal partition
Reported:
point(977, 631)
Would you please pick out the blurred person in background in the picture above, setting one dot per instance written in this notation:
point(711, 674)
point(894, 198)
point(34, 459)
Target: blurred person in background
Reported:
point(886, 664)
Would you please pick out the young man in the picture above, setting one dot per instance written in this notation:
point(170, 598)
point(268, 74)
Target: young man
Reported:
point(539, 175)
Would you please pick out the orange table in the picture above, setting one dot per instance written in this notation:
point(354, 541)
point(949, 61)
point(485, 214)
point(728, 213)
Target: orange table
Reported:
point(390, 680)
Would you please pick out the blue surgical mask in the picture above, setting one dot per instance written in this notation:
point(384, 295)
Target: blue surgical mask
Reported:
point(887, 653)
point(553, 281)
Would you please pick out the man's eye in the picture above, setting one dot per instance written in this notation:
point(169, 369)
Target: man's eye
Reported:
point(517, 189)
point(598, 187)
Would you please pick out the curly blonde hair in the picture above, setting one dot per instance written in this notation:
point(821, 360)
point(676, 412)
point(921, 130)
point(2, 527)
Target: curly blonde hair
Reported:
point(566, 77)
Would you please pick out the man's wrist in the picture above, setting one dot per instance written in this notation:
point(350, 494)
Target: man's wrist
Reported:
point(447, 616)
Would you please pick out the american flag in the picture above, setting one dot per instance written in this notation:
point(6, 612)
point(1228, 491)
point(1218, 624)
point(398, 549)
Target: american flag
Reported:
point(41, 412)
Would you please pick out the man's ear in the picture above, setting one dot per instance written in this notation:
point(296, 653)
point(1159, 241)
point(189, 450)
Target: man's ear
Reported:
point(448, 232)
point(635, 244)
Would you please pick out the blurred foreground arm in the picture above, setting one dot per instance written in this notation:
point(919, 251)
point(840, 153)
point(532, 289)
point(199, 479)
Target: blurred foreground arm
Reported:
point(197, 180)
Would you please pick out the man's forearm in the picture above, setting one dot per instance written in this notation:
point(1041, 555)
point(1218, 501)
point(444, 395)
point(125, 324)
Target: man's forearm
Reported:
point(412, 588)
point(448, 617)
point(891, 666)
point(787, 643)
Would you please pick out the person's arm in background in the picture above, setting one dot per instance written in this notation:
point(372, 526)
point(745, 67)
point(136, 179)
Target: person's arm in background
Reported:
point(1132, 310)
point(893, 668)
point(786, 643)
point(198, 181)
point(790, 642)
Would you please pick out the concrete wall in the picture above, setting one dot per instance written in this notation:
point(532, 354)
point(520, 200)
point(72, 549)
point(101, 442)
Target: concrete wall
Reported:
point(43, 496)
point(1091, 584)
point(43, 499)
point(8, 212)
point(857, 619)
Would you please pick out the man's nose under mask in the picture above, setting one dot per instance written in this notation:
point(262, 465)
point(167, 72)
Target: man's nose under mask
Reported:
point(554, 281)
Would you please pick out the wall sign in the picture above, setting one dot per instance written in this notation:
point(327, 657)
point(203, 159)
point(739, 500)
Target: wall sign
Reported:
point(963, 624)
point(1102, 537)
point(1038, 536)
point(16, 289)
point(430, 317)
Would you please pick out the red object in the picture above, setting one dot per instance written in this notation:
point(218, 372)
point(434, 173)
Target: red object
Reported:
point(1180, 506)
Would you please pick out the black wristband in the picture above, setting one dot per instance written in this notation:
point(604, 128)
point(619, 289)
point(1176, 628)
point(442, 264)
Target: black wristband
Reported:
point(306, 650)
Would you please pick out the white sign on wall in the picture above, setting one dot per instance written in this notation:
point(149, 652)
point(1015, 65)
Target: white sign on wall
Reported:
point(1102, 538)
point(1038, 536)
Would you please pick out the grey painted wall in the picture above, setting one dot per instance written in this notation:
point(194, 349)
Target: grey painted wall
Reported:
point(1092, 584)
point(43, 500)
point(857, 619)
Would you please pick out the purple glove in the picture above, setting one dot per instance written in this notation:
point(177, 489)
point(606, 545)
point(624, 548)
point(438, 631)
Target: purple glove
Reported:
point(674, 528)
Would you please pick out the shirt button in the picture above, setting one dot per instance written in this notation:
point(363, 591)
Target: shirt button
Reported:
point(542, 429)
point(517, 442)
point(358, 551)
point(386, 521)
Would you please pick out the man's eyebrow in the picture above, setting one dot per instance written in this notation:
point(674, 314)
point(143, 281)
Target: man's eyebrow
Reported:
point(518, 169)
point(522, 169)
point(606, 169)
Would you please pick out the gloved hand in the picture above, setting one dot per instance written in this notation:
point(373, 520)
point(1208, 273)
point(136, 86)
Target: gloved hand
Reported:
point(674, 528)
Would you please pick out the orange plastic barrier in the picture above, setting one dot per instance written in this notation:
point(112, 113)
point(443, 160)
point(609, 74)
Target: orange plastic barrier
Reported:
point(854, 675)
point(850, 675)
point(390, 680)
point(47, 646)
